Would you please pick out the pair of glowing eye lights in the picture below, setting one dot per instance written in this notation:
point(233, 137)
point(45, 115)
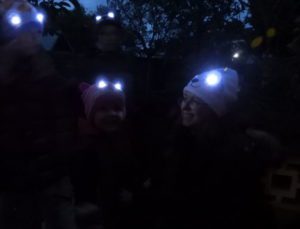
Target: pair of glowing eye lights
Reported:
point(16, 19)
point(104, 84)
point(110, 15)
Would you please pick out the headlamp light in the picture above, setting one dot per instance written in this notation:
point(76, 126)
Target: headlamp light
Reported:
point(111, 15)
point(98, 18)
point(213, 79)
point(40, 18)
point(236, 55)
point(102, 84)
point(118, 86)
point(15, 20)
point(105, 84)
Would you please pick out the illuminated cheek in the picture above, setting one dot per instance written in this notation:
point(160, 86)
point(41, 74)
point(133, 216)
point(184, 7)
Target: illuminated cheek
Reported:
point(121, 115)
point(195, 109)
point(182, 105)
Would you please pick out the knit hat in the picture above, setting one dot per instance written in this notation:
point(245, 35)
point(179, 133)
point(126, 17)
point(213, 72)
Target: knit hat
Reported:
point(217, 88)
point(103, 92)
point(18, 13)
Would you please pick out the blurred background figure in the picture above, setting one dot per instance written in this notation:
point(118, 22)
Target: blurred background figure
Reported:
point(35, 126)
point(109, 33)
point(106, 56)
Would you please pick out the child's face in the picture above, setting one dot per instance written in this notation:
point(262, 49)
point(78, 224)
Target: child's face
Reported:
point(109, 116)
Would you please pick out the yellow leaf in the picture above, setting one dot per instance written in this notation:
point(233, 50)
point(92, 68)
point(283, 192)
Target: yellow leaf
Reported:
point(271, 32)
point(257, 42)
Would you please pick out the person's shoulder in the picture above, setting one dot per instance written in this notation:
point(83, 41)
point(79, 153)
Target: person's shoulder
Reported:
point(253, 144)
point(267, 145)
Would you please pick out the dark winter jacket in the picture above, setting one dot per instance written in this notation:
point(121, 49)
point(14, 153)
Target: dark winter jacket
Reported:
point(105, 171)
point(104, 166)
point(213, 180)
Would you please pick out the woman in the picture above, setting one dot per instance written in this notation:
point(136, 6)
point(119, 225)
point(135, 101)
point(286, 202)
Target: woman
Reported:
point(212, 170)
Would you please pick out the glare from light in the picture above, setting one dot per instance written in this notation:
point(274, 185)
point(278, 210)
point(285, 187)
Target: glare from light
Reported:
point(236, 55)
point(118, 86)
point(98, 18)
point(213, 79)
point(111, 15)
point(15, 20)
point(40, 17)
point(102, 84)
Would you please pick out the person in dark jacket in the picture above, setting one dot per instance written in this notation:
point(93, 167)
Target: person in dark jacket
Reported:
point(104, 173)
point(35, 125)
point(213, 166)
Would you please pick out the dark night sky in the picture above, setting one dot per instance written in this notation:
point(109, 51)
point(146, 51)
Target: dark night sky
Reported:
point(91, 4)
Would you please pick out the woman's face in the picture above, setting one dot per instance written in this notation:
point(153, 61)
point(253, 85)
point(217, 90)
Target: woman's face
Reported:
point(194, 111)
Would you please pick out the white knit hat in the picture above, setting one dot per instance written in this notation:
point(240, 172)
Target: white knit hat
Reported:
point(217, 88)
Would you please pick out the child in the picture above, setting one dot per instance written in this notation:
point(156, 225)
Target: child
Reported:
point(104, 172)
